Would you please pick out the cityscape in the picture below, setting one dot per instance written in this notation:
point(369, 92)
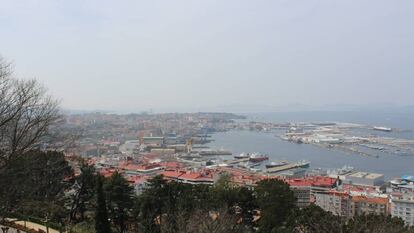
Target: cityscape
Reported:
point(141, 146)
point(235, 116)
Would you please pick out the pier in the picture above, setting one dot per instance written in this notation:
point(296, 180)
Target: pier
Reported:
point(283, 168)
point(236, 161)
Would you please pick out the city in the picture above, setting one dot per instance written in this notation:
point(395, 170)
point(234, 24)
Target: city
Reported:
point(234, 116)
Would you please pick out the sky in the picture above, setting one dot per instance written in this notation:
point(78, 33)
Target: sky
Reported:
point(202, 55)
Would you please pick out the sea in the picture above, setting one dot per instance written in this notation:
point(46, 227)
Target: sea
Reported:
point(270, 143)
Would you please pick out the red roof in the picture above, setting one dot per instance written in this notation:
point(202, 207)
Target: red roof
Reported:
point(190, 176)
point(315, 181)
point(375, 200)
point(172, 174)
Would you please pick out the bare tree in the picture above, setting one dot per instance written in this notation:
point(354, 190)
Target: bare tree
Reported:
point(206, 222)
point(26, 114)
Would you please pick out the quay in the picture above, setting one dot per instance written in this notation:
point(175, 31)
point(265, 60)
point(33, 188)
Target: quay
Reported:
point(236, 161)
point(284, 168)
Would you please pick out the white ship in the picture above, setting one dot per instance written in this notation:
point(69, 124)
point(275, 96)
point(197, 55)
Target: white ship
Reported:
point(380, 128)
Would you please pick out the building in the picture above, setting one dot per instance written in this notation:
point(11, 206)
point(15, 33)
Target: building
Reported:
point(402, 206)
point(153, 141)
point(304, 189)
point(365, 178)
point(336, 202)
point(189, 177)
point(141, 169)
point(362, 204)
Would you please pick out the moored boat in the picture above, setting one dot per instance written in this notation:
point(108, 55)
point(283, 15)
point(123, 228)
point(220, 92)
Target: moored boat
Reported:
point(255, 158)
point(277, 164)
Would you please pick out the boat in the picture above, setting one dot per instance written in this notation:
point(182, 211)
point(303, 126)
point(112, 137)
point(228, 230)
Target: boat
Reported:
point(255, 158)
point(255, 169)
point(384, 129)
point(276, 164)
point(242, 156)
point(251, 164)
point(303, 164)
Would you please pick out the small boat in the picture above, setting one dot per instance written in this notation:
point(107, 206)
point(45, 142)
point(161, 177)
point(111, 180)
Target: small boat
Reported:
point(303, 164)
point(276, 164)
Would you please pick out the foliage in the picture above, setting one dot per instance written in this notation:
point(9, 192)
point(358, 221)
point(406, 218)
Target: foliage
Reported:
point(275, 201)
point(377, 224)
point(84, 190)
point(83, 227)
point(120, 200)
point(313, 219)
point(36, 178)
point(101, 215)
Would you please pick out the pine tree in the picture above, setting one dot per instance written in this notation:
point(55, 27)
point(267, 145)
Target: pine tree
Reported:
point(119, 194)
point(101, 215)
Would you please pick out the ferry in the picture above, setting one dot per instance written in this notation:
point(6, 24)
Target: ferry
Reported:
point(255, 158)
point(242, 156)
point(384, 129)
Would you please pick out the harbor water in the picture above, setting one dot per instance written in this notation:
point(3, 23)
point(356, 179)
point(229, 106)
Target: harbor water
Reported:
point(390, 165)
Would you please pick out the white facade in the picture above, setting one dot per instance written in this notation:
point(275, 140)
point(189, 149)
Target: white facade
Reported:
point(338, 204)
point(402, 206)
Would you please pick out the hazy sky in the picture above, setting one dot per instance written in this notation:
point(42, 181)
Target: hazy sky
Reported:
point(198, 54)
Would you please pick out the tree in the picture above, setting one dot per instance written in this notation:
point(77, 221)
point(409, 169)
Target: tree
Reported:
point(84, 192)
point(120, 200)
point(35, 177)
point(238, 200)
point(101, 214)
point(208, 222)
point(26, 114)
point(275, 201)
point(150, 205)
point(314, 219)
point(377, 224)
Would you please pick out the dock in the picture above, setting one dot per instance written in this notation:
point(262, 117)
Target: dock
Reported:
point(236, 161)
point(283, 168)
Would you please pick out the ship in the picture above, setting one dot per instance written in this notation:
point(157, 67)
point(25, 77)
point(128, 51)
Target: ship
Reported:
point(276, 164)
point(384, 129)
point(255, 158)
point(249, 165)
point(303, 164)
point(242, 156)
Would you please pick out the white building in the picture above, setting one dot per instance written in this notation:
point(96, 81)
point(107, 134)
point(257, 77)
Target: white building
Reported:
point(365, 178)
point(336, 202)
point(402, 206)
